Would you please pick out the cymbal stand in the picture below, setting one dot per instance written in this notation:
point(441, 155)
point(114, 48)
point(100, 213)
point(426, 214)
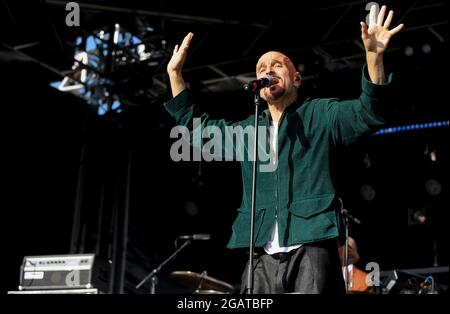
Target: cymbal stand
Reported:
point(153, 274)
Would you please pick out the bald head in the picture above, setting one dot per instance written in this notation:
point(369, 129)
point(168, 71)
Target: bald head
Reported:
point(276, 55)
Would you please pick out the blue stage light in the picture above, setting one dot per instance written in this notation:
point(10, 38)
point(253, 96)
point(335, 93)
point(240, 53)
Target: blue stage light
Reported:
point(412, 127)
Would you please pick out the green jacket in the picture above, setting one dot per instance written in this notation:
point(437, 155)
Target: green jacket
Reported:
point(300, 193)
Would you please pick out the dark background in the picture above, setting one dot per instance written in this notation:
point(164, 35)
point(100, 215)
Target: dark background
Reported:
point(45, 130)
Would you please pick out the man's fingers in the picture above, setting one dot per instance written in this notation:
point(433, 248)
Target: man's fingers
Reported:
point(186, 41)
point(396, 29)
point(381, 15)
point(388, 21)
point(175, 49)
point(372, 15)
point(364, 33)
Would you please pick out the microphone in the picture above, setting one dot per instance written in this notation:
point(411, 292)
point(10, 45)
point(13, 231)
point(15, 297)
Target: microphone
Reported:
point(348, 215)
point(265, 81)
point(195, 237)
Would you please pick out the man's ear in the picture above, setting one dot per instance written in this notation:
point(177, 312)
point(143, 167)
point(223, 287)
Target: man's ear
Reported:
point(298, 79)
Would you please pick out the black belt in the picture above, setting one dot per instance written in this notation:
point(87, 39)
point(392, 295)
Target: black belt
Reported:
point(278, 256)
point(283, 255)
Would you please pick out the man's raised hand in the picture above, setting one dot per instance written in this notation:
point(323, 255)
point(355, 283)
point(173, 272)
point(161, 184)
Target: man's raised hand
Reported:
point(179, 55)
point(175, 65)
point(376, 37)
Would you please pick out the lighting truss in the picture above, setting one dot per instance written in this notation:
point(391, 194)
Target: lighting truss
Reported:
point(111, 68)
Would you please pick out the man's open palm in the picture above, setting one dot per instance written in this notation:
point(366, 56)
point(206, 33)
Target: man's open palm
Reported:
point(179, 55)
point(376, 37)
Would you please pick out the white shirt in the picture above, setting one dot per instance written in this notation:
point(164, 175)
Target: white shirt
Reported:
point(273, 246)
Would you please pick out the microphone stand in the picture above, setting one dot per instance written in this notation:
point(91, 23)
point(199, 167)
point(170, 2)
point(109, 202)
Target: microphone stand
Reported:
point(347, 216)
point(153, 274)
point(346, 273)
point(250, 274)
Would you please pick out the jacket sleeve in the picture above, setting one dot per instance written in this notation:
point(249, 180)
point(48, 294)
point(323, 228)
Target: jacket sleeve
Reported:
point(350, 119)
point(223, 135)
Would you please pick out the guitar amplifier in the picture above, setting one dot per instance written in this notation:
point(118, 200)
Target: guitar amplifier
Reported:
point(73, 271)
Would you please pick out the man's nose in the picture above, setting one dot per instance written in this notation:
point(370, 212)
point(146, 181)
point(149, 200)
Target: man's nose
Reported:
point(270, 71)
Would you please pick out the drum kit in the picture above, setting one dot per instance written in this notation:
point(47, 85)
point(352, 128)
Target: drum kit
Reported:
point(201, 283)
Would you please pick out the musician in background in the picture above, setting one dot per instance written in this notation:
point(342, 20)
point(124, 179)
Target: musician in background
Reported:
point(356, 277)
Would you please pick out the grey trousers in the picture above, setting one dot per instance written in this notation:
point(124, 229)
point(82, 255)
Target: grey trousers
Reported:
point(313, 268)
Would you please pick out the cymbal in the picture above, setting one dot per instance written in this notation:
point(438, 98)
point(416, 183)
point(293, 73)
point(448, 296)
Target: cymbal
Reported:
point(209, 292)
point(201, 282)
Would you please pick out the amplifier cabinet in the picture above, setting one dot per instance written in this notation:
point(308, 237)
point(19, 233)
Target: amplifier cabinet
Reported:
point(57, 272)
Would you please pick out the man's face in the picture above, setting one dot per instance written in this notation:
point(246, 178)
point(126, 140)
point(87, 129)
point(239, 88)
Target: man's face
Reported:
point(283, 72)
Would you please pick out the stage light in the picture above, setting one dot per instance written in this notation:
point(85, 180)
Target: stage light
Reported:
point(409, 51)
point(426, 48)
point(433, 187)
point(368, 193)
point(301, 67)
point(433, 156)
point(413, 127)
point(191, 208)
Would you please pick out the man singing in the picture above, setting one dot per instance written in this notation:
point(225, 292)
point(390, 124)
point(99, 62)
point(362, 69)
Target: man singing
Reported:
point(298, 220)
